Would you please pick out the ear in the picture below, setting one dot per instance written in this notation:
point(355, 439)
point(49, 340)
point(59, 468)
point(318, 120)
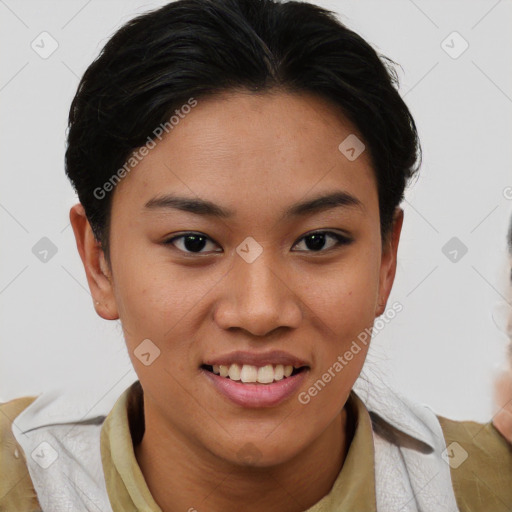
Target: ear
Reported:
point(388, 262)
point(96, 267)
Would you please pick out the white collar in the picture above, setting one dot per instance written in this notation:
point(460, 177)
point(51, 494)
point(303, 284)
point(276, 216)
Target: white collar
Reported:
point(78, 403)
point(83, 404)
point(395, 412)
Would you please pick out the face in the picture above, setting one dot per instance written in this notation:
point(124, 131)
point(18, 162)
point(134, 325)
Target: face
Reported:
point(266, 282)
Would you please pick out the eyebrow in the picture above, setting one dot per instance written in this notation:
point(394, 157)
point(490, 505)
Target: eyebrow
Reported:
point(319, 203)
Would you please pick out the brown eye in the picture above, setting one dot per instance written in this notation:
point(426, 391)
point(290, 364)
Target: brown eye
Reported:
point(192, 243)
point(316, 242)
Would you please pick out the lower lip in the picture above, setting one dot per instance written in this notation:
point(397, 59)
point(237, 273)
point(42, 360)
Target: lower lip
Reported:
point(257, 395)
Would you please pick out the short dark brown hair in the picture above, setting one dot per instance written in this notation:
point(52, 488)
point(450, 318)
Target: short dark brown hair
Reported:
point(196, 48)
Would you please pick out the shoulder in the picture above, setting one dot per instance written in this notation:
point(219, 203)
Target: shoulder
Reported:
point(16, 489)
point(480, 462)
point(467, 461)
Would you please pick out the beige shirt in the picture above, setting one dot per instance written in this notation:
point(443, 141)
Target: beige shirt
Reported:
point(482, 482)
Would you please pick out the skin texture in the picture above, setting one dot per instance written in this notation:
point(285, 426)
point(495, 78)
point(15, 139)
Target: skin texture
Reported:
point(257, 155)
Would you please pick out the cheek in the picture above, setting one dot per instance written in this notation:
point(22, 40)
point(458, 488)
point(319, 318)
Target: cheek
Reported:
point(345, 298)
point(147, 294)
point(159, 300)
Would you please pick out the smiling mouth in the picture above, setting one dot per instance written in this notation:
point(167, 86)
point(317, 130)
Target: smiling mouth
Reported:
point(246, 373)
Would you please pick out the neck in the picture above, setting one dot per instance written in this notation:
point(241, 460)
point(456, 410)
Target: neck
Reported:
point(193, 484)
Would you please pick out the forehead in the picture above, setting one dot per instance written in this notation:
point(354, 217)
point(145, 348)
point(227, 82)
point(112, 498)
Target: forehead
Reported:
point(258, 148)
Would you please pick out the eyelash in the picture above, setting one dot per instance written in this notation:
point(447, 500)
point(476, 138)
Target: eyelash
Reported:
point(340, 241)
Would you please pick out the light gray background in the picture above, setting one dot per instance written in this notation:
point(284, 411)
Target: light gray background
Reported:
point(443, 349)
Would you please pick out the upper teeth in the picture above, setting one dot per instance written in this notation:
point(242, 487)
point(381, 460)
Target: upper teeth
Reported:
point(249, 373)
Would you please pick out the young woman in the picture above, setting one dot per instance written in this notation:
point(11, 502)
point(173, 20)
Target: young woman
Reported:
point(240, 166)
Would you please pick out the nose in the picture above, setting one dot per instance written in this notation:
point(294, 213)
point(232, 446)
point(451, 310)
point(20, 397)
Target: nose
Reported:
point(259, 298)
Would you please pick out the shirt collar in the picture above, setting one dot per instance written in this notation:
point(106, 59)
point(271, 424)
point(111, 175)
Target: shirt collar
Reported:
point(395, 416)
point(74, 403)
point(353, 489)
point(79, 403)
point(390, 414)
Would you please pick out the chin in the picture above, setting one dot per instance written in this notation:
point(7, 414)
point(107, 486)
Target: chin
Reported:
point(261, 454)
